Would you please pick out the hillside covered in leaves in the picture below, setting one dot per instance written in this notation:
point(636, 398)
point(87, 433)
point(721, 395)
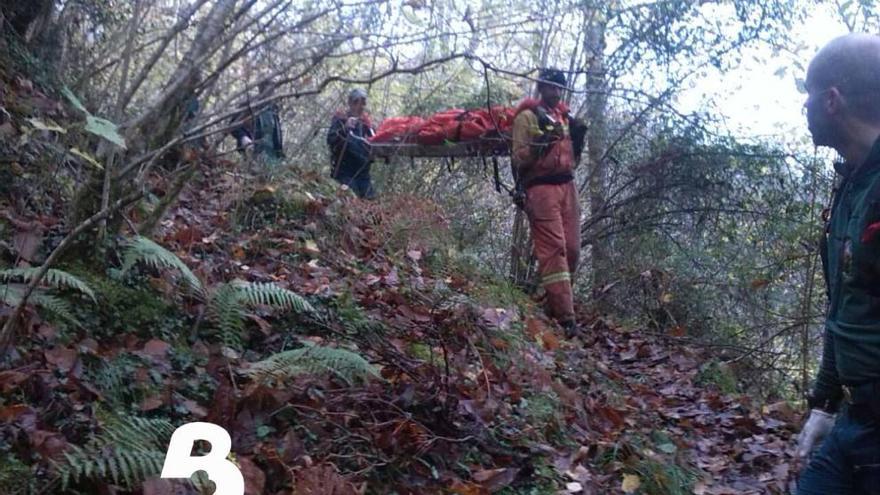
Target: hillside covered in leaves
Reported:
point(152, 276)
point(349, 348)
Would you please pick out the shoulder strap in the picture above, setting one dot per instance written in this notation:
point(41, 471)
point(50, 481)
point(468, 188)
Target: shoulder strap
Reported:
point(544, 120)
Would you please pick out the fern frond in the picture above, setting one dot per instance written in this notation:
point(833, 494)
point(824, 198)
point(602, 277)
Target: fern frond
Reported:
point(254, 294)
point(227, 310)
point(128, 450)
point(56, 278)
point(133, 432)
point(143, 250)
point(11, 295)
point(228, 304)
point(313, 359)
point(55, 305)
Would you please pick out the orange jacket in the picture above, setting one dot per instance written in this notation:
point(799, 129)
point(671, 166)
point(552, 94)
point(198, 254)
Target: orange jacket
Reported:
point(555, 164)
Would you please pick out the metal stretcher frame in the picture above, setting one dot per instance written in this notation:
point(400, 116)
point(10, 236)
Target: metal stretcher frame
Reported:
point(496, 146)
point(486, 147)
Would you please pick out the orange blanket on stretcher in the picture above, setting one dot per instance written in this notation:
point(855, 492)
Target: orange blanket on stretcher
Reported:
point(453, 125)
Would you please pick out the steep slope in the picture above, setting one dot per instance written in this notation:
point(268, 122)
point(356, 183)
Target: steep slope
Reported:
point(411, 371)
point(347, 346)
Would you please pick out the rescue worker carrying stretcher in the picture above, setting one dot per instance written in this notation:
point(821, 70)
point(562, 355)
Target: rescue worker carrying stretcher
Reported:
point(544, 160)
point(349, 148)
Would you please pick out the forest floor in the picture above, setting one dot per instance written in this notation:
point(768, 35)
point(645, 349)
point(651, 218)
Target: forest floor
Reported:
point(435, 377)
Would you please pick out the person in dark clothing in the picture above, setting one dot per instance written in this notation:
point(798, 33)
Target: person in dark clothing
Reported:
point(843, 113)
point(349, 148)
point(260, 128)
point(191, 110)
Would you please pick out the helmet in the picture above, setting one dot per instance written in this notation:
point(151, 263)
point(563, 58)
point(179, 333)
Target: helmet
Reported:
point(551, 76)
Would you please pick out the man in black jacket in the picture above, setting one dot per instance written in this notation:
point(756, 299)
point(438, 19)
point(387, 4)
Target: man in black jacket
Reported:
point(843, 113)
point(260, 127)
point(349, 149)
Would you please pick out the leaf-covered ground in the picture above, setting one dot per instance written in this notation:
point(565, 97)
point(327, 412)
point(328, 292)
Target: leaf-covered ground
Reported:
point(411, 371)
point(476, 392)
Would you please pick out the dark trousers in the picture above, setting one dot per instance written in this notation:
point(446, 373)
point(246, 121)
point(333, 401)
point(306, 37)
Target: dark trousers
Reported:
point(848, 461)
point(361, 185)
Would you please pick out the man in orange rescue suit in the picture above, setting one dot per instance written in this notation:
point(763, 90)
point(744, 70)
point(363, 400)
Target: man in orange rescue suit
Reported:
point(544, 161)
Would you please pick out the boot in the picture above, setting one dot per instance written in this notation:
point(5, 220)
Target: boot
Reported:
point(570, 328)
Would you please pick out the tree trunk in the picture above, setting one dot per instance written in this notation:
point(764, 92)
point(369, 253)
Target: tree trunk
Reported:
point(597, 86)
point(149, 225)
point(162, 118)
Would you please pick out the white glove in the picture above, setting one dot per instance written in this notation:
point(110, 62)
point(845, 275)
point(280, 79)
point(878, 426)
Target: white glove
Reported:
point(818, 425)
point(246, 141)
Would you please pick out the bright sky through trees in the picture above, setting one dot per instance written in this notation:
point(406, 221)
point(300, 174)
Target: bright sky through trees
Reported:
point(760, 99)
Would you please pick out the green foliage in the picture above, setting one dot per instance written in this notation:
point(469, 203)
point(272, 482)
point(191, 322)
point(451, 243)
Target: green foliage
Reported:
point(356, 322)
point(128, 450)
point(718, 244)
point(113, 379)
point(501, 293)
point(143, 250)
point(655, 460)
point(268, 206)
point(420, 350)
point(56, 305)
point(227, 310)
point(16, 475)
point(12, 295)
point(255, 294)
point(313, 359)
point(56, 278)
point(347, 309)
point(228, 305)
point(541, 408)
point(96, 125)
point(659, 476)
point(126, 307)
point(719, 375)
point(545, 479)
point(105, 129)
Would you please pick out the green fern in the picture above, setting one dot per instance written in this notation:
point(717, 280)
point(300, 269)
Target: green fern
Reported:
point(55, 305)
point(229, 303)
point(112, 377)
point(16, 477)
point(227, 309)
point(143, 250)
point(128, 451)
point(56, 278)
point(255, 294)
point(12, 294)
point(313, 359)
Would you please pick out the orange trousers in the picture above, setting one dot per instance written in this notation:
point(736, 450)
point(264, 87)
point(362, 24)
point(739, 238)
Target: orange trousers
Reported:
point(555, 220)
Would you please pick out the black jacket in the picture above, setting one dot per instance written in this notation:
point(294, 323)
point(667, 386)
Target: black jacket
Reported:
point(263, 127)
point(349, 149)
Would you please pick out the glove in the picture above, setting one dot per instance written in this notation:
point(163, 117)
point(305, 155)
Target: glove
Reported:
point(246, 141)
point(818, 425)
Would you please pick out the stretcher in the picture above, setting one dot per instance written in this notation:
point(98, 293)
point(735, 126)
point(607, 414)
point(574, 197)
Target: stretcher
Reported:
point(483, 147)
point(486, 148)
